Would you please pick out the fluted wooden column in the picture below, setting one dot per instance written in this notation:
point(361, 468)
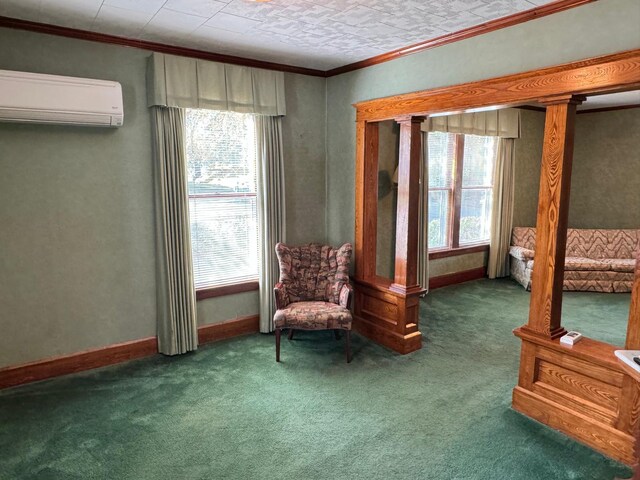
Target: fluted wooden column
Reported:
point(553, 208)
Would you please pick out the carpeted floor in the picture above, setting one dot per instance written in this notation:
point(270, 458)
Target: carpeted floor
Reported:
point(229, 411)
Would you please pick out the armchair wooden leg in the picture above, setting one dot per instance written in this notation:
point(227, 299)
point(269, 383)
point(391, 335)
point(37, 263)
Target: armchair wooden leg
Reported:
point(336, 332)
point(278, 332)
point(348, 346)
point(291, 334)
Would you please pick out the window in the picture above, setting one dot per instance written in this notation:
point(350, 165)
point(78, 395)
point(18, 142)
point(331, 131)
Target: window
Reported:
point(221, 173)
point(460, 189)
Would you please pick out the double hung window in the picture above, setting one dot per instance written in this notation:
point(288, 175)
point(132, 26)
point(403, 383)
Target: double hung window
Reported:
point(221, 169)
point(460, 189)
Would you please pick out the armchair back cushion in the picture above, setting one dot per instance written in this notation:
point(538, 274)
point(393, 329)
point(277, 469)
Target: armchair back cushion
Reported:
point(314, 272)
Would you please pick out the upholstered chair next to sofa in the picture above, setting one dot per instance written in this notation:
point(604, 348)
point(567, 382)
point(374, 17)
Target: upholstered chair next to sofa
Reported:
point(314, 292)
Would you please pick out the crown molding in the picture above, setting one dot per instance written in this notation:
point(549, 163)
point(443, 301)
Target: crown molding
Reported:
point(153, 46)
point(490, 26)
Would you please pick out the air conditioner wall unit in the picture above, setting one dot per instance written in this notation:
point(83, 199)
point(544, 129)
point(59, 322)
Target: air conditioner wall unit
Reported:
point(39, 98)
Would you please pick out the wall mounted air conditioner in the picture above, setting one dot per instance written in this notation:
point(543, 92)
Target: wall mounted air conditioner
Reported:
point(38, 98)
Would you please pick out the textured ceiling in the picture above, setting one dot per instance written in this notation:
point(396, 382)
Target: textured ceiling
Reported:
point(320, 34)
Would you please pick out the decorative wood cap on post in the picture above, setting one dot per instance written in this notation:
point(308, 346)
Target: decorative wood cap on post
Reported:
point(410, 119)
point(563, 99)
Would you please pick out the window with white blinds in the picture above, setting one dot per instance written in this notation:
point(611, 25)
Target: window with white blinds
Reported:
point(460, 189)
point(221, 165)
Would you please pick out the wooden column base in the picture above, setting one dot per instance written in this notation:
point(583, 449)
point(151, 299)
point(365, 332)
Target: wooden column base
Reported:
point(580, 390)
point(555, 333)
point(388, 316)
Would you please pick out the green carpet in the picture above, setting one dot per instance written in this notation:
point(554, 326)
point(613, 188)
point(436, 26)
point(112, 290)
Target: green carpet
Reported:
point(229, 411)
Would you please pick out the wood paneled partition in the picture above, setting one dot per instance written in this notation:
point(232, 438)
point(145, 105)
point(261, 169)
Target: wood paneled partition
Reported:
point(387, 311)
point(582, 390)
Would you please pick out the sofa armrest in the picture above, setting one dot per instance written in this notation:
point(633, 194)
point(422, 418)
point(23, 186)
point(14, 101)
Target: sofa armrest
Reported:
point(521, 253)
point(345, 295)
point(281, 296)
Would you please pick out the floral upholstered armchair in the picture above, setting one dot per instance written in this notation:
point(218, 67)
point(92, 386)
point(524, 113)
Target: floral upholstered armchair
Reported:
point(314, 291)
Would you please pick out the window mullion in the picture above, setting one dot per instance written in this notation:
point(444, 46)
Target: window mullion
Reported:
point(457, 192)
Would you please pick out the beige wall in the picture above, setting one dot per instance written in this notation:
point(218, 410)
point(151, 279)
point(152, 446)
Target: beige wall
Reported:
point(527, 171)
point(605, 184)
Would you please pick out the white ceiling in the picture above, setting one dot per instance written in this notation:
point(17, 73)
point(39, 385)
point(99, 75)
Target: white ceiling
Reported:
point(611, 100)
point(320, 34)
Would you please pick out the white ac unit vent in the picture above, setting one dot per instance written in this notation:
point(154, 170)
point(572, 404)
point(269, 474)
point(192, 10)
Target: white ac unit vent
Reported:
point(39, 98)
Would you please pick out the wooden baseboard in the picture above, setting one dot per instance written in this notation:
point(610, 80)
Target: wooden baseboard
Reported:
point(122, 352)
point(457, 277)
point(230, 328)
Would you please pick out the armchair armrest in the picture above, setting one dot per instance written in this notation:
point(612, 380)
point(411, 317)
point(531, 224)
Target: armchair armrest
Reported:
point(345, 295)
point(521, 253)
point(281, 296)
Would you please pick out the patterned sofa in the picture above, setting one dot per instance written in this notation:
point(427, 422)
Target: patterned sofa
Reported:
point(596, 260)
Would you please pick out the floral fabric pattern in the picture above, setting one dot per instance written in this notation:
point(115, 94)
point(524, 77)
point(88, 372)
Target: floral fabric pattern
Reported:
point(314, 291)
point(520, 273)
point(596, 260)
point(282, 298)
point(313, 316)
point(314, 272)
point(345, 295)
point(521, 253)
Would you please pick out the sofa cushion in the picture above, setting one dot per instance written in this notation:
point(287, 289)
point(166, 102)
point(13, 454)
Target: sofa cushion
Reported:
point(580, 263)
point(521, 253)
point(313, 316)
point(626, 265)
point(601, 243)
point(588, 286)
point(598, 275)
point(524, 237)
point(622, 287)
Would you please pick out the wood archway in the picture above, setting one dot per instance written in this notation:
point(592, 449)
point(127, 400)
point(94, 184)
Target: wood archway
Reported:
point(387, 312)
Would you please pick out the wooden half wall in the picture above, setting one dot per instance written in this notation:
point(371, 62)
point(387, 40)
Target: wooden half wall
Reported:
point(581, 390)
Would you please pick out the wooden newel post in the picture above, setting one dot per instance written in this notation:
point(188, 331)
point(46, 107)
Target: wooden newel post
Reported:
point(553, 208)
point(406, 267)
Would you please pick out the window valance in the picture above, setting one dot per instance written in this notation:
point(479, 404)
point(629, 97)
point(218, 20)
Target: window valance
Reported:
point(193, 83)
point(504, 123)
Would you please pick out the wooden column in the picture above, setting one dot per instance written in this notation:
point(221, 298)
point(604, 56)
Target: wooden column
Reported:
point(633, 327)
point(581, 390)
point(366, 199)
point(553, 208)
point(384, 311)
point(406, 266)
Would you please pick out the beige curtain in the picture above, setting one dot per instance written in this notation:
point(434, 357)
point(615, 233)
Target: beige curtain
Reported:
point(177, 323)
point(193, 83)
point(502, 211)
point(271, 210)
point(503, 123)
point(423, 219)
